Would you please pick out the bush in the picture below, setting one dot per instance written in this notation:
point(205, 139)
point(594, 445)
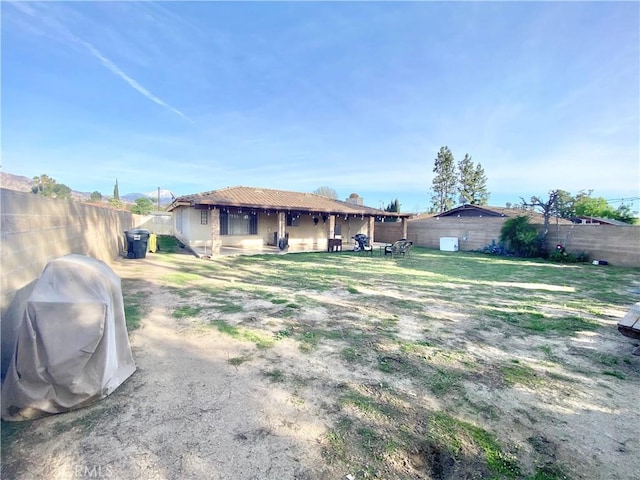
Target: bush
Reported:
point(560, 254)
point(522, 238)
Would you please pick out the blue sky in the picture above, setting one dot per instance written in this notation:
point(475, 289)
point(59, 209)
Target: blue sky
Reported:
point(356, 96)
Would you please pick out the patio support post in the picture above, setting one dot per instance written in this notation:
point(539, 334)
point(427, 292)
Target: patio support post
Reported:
point(216, 241)
point(332, 226)
point(404, 227)
point(282, 225)
point(371, 228)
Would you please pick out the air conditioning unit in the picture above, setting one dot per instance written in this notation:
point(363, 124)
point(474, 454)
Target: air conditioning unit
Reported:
point(449, 244)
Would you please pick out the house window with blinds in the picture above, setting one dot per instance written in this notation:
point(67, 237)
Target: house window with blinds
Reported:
point(204, 217)
point(238, 223)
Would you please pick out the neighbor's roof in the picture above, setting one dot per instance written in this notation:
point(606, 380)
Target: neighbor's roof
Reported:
point(468, 210)
point(603, 221)
point(269, 199)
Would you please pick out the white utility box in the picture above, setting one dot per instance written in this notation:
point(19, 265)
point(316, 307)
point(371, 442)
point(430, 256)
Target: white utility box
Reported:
point(449, 244)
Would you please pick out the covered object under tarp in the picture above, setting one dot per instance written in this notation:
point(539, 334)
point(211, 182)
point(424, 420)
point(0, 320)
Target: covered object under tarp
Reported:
point(72, 347)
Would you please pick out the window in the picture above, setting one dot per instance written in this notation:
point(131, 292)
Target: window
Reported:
point(204, 217)
point(238, 223)
point(293, 220)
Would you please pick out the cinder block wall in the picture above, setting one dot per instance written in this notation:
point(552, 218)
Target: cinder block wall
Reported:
point(34, 230)
point(388, 232)
point(618, 245)
point(473, 233)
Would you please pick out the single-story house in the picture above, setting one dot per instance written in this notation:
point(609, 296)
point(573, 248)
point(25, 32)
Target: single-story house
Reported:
point(586, 220)
point(251, 218)
point(474, 226)
point(486, 211)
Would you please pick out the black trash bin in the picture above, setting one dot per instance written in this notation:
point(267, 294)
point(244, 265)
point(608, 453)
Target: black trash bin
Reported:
point(137, 240)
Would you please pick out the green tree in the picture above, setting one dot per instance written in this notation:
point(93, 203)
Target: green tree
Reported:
point(394, 206)
point(444, 183)
point(116, 191)
point(588, 206)
point(60, 190)
point(624, 214)
point(564, 205)
point(117, 204)
point(521, 238)
point(48, 187)
point(43, 184)
point(547, 207)
point(326, 192)
point(142, 206)
point(95, 197)
point(472, 182)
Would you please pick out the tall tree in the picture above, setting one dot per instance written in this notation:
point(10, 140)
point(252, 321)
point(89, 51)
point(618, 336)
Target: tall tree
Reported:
point(95, 196)
point(472, 182)
point(547, 207)
point(48, 187)
point(565, 205)
point(589, 206)
point(116, 192)
point(393, 207)
point(43, 184)
point(326, 192)
point(625, 214)
point(444, 182)
point(142, 206)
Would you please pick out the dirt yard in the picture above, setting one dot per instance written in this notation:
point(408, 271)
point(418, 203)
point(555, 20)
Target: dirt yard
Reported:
point(358, 379)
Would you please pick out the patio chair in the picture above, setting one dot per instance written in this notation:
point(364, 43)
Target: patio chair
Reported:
point(401, 247)
point(362, 244)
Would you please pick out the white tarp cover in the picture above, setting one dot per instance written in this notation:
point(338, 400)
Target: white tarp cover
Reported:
point(72, 347)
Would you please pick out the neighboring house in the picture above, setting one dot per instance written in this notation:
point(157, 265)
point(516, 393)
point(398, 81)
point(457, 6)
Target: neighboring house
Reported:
point(251, 218)
point(475, 226)
point(480, 211)
point(584, 220)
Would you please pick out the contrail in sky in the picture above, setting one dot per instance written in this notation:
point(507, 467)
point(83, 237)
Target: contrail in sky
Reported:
point(135, 85)
point(62, 30)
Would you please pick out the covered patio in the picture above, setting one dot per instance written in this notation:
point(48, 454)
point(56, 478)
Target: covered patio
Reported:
point(246, 221)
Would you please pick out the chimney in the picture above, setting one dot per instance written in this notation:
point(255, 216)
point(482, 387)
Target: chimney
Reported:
point(355, 199)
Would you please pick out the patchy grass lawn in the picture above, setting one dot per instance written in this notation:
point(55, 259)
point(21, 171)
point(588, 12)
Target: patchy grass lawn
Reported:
point(435, 355)
point(435, 366)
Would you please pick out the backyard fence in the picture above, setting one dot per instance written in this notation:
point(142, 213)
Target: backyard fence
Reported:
point(36, 229)
point(617, 245)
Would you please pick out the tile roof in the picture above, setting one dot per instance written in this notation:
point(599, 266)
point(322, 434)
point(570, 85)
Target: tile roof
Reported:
point(535, 217)
point(266, 198)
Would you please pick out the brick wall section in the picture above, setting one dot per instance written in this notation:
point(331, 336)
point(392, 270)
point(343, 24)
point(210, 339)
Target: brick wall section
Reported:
point(388, 232)
point(34, 230)
point(618, 245)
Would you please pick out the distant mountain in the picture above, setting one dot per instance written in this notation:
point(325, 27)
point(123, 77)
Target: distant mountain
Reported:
point(15, 182)
point(24, 184)
point(166, 196)
point(131, 197)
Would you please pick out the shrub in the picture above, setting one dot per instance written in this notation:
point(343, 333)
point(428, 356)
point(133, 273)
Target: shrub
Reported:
point(521, 238)
point(560, 254)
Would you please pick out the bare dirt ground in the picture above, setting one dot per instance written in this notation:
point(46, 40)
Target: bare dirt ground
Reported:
point(204, 405)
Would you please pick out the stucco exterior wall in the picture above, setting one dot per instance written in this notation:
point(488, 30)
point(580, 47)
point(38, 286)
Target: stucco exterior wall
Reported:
point(35, 229)
point(306, 233)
